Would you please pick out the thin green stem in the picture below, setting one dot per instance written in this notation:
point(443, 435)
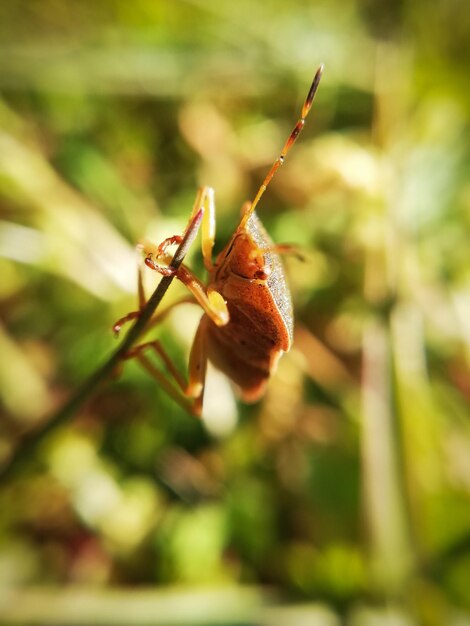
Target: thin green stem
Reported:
point(30, 440)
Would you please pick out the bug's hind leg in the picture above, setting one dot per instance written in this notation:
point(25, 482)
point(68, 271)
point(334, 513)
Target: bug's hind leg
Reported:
point(189, 396)
point(198, 366)
point(171, 381)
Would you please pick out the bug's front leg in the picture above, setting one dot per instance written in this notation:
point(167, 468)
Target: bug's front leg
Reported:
point(204, 201)
point(155, 254)
point(210, 300)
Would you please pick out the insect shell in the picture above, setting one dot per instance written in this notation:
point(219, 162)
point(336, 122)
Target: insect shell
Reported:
point(248, 320)
point(260, 328)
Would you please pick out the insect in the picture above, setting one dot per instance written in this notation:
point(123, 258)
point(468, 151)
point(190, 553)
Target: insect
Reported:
point(248, 319)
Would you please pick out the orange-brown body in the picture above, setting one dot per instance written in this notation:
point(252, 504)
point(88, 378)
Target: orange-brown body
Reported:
point(248, 321)
point(260, 328)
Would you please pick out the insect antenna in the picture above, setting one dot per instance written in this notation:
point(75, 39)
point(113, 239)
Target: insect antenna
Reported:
point(287, 146)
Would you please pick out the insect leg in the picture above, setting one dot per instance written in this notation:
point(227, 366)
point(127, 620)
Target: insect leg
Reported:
point(211, 300)
point(166, 384)
point(170, 380)
point(160, 351)
point(154, 254)
point(140, 278)
point(149, 249)
point(205, 200)
point(197, 370)
point(281, 248)
point(140, 295)
point(198, 366)
point(173, 382)
point(208, 225)
point(156, 319)
point(133, 315)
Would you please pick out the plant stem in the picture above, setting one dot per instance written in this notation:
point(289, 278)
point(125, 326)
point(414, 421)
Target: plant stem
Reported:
point(30, 440)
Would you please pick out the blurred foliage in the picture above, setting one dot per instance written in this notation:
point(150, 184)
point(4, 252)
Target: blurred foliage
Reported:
point(349, 483)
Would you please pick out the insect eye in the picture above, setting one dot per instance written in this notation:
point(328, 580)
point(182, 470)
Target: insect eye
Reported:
point(261, 275)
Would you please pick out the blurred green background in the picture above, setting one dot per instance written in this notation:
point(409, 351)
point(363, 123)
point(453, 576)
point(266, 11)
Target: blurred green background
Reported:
point(343, 496)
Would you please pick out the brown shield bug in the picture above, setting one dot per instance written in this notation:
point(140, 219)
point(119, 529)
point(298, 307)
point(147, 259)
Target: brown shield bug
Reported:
point(248, 320)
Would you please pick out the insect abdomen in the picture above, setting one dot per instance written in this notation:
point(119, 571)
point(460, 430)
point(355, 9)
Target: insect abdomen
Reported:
point(247, 348)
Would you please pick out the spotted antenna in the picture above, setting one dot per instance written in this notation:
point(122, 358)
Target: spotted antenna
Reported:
point(287, 146)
